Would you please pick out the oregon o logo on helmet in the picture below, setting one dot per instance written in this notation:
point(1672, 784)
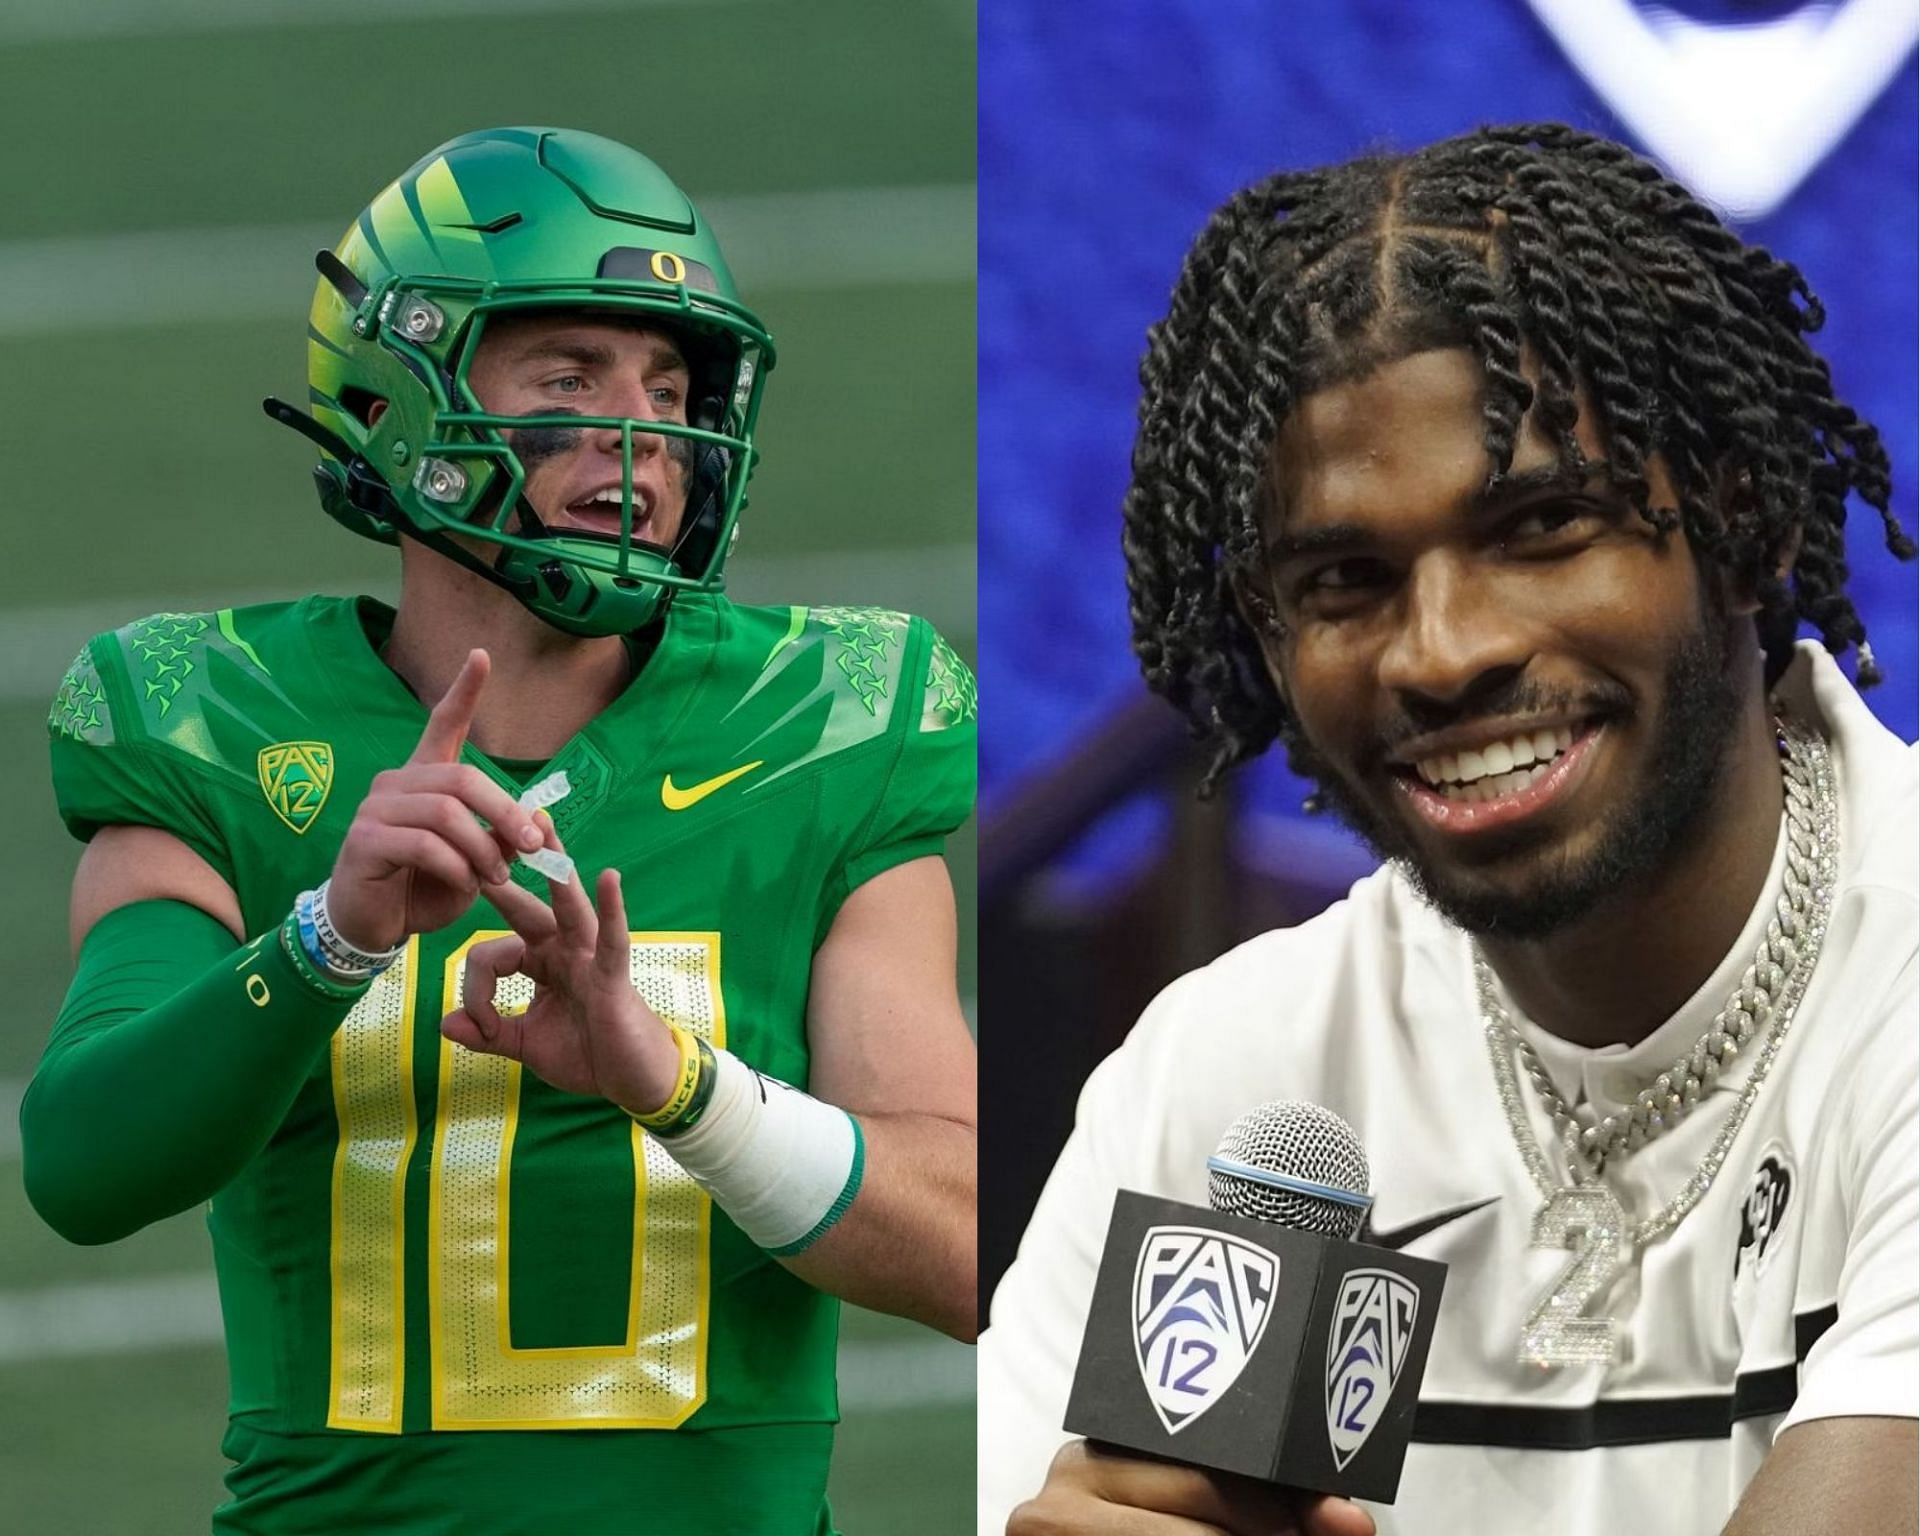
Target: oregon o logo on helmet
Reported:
point(1201, 1300)
point(668, 267)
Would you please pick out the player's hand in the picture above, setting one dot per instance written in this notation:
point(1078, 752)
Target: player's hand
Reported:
point(417, 854)
point(587, 1030)
point(1091, 1489)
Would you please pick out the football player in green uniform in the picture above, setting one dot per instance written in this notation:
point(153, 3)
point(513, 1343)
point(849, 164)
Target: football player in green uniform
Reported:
point(548, 982)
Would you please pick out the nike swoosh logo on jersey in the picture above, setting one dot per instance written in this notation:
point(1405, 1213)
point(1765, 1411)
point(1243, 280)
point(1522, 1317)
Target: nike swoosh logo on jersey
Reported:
point(679, 799)
point(1399, 1237)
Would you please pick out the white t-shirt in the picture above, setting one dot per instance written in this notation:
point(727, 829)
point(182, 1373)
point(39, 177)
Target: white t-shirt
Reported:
point(1790, 1292)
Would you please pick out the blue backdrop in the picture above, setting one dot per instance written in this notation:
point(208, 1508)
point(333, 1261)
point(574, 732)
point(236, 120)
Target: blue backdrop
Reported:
point(1109, 129)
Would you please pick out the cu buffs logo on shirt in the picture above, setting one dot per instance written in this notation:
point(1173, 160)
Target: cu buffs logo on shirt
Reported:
point(1765, 1212)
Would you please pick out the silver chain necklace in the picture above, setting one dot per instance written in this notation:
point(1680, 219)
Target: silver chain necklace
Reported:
point(1586, 1214)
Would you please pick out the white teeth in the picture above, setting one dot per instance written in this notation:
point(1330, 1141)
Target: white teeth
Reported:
point(1495, 763)
point(1494, 786)
point(611, 498)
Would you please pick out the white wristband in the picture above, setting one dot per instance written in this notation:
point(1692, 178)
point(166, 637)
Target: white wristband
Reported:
point(781, 1163)
point(328, 948)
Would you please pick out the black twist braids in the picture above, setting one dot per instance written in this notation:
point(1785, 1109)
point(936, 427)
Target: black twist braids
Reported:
point(1191, 399)
point(1619, 283)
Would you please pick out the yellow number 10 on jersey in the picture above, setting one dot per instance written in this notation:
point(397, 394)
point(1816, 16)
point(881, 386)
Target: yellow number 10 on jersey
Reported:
point(654, 1377)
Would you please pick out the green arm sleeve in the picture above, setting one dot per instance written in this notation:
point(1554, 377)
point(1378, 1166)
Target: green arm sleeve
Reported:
point(173, 1061)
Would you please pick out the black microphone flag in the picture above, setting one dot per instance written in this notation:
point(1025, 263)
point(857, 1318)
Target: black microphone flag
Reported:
point(1244, 1346)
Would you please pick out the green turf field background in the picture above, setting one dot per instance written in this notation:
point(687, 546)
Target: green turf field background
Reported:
point(171, 166)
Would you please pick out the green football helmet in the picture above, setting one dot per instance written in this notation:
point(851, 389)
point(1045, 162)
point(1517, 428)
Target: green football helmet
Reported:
point(503, 221)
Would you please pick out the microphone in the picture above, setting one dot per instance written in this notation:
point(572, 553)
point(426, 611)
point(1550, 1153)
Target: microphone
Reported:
point(1255, 1336)
point(1293, 1164)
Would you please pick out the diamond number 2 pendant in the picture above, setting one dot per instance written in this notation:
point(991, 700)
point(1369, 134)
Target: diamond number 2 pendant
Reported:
point(1587, 1219)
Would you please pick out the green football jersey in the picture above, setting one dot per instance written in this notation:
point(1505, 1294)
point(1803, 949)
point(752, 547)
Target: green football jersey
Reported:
point(435, 1244)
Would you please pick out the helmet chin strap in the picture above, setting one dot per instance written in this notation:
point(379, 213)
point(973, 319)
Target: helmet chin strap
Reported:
point(557, 579)
point(523, 589)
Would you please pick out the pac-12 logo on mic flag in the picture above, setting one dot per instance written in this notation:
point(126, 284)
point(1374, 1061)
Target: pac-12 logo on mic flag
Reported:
point(1366, 1347)
point(1201, 1301)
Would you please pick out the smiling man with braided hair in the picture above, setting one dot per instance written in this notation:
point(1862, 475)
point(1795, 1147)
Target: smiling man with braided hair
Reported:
point(1496, 481)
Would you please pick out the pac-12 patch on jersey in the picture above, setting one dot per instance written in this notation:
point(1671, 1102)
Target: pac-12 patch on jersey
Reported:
point(295, 776)
point(1201, 1300)
point(1366, 1348)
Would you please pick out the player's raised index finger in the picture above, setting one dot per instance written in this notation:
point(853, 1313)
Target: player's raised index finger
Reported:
point(451, 719)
